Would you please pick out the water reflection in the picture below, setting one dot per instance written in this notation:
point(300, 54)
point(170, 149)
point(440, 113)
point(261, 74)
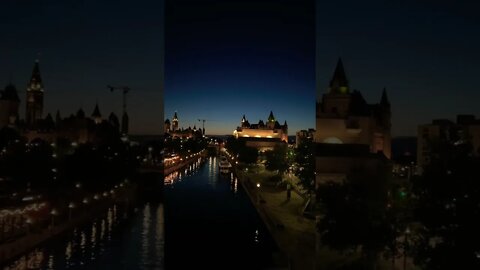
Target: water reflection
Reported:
point(84, 246)
point(209, 208)
point(189, 170)
point(145, 232)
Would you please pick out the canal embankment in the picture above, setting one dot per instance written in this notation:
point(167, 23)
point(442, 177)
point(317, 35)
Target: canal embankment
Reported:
point(97, 206)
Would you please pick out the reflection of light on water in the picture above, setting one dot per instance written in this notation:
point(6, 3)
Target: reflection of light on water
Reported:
point(93, 238)
point(32, 260)
point(177, 176)
point(83, 241)
point(109, 222)
point(68, 253)
point(235, 185)
point(146, 227)
point(159, 233)
point(77, 249)
point(50, 262)
point(212, 171)
point(102, 229)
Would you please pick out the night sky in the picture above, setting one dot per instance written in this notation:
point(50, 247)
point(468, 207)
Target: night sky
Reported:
point(227, 58)
point(83, 45)
point(426, 53)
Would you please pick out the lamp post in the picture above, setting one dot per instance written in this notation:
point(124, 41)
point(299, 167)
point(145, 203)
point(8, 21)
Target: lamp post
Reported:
point(29, 221)
point(53, 213)
point(70, 207)
point(258, 192)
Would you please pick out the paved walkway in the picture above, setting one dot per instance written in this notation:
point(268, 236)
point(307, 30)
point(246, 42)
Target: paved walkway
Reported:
point(294, 234)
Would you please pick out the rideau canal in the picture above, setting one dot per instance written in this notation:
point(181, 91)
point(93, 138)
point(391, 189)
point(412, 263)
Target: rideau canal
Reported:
point(203, 219)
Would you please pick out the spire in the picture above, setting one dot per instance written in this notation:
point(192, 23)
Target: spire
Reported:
point(175, 117)
point(244, 119)
point(384, 100)
point(271, 118)
point(96, 112)
point(339, 82)
point(285, 124)
point(36, 80)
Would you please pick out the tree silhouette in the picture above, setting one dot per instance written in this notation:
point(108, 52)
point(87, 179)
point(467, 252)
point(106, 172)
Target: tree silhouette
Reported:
point(356, 215)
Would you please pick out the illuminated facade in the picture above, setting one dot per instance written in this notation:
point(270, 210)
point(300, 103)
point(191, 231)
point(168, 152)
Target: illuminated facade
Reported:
point(350, 132)
point(172, 129)
point(262, 136)
point(77, 127)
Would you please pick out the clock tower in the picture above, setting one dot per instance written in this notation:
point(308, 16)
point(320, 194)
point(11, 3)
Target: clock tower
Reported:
point(34, 97)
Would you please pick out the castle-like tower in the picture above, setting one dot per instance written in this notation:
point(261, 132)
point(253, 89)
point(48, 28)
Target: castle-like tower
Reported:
point(175, 122)
point(34, 102)
point(96, 115)
point(271, 130)
point(351, 135)
point(344, 117)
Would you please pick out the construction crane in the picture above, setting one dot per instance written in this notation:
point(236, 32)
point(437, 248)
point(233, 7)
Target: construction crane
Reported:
point(125, 90)
point(203, 125)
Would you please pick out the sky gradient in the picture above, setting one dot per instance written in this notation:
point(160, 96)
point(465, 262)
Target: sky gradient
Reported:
point(229, 58)
point(83, 45)
point(426, 54)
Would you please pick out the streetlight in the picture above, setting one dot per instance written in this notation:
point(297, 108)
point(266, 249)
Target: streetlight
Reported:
point(53, 213)
point(70, 207)
point(258, 192)
point(29, 221)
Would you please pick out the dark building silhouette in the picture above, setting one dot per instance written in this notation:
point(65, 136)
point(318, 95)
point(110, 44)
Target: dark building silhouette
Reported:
point(9, 105)
point(34, 102)
point(351, 135)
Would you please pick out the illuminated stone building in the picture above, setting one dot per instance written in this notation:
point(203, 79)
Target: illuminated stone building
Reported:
point(77, 128)
point(263, 136)
point(351, 135)
point(172, 129)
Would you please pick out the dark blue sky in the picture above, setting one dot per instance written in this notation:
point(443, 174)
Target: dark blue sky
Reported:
point(85, 45)
point(425, 52)
point(229, 58)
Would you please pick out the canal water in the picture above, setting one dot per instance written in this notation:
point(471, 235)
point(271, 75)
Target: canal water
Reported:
point(203, 219)
point(212, 224)
point(120, 239)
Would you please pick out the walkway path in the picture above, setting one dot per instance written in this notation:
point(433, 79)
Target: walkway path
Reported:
point(295, 234)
